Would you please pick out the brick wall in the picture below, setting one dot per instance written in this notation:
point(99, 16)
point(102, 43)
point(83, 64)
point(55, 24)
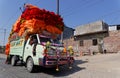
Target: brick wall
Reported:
point(112, 42)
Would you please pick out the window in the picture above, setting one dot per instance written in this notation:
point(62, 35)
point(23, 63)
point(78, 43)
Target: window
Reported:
point(95, 42)
point(33, 40)
point(118, 27)
point(81, 42)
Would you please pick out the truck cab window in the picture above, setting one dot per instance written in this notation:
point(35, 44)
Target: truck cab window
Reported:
point(33, 40)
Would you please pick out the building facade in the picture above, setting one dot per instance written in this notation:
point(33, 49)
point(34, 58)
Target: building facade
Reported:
point(90, 37)
point(111, 42)
point(68, 32)
point(96, 37)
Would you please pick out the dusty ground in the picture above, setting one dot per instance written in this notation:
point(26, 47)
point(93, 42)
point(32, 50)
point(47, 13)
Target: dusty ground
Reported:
point(96, 66)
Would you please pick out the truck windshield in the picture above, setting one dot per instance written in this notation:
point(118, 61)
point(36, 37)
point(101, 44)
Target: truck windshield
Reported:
point(56, 41)
point(43, 39)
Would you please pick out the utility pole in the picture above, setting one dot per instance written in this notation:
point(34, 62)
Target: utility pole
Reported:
point(3, 44)
point(4, 33)
point(58, 7)
point(4, 37)
point(4, 40)
point(58, 14)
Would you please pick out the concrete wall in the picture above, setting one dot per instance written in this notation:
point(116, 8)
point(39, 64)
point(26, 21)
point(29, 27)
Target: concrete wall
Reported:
point(90, 28)
point(88, 42)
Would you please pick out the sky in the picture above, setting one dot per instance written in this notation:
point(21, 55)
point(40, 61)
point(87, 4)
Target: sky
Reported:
point(73, 12)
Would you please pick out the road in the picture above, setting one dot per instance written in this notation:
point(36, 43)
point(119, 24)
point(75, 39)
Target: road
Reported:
point(97, 66)
point(8, 71)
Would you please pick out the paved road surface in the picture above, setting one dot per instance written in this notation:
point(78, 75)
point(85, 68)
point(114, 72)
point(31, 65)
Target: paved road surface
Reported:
point(98, 66)
point(8, 71)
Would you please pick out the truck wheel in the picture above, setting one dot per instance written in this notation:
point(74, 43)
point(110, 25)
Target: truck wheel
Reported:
point(30, 65)
point(14, 61)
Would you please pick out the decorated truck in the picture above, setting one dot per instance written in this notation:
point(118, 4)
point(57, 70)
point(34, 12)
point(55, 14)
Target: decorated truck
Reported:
point(34, 40)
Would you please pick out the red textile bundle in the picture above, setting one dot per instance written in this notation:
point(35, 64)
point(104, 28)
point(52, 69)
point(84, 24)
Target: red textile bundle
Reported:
point(35, 20)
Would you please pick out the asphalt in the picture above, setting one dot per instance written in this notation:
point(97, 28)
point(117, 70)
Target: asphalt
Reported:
point(94, 66)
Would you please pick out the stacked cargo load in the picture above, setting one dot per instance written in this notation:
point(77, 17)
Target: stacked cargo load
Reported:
point(34, 20)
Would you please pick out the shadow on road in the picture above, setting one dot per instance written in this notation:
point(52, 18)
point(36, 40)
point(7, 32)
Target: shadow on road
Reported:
point(77, 62)
point(63, 70)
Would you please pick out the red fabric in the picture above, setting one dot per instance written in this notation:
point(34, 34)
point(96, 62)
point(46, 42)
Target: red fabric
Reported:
point(7, 49)
point(35, 20)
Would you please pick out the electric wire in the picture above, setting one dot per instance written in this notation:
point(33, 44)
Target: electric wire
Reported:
point(88, 4)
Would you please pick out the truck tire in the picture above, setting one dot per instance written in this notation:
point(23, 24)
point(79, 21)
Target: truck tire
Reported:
point(14, 60)
point(30, 65)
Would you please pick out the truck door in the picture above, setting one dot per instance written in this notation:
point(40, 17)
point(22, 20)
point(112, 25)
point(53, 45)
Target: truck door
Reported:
point(30, 47)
